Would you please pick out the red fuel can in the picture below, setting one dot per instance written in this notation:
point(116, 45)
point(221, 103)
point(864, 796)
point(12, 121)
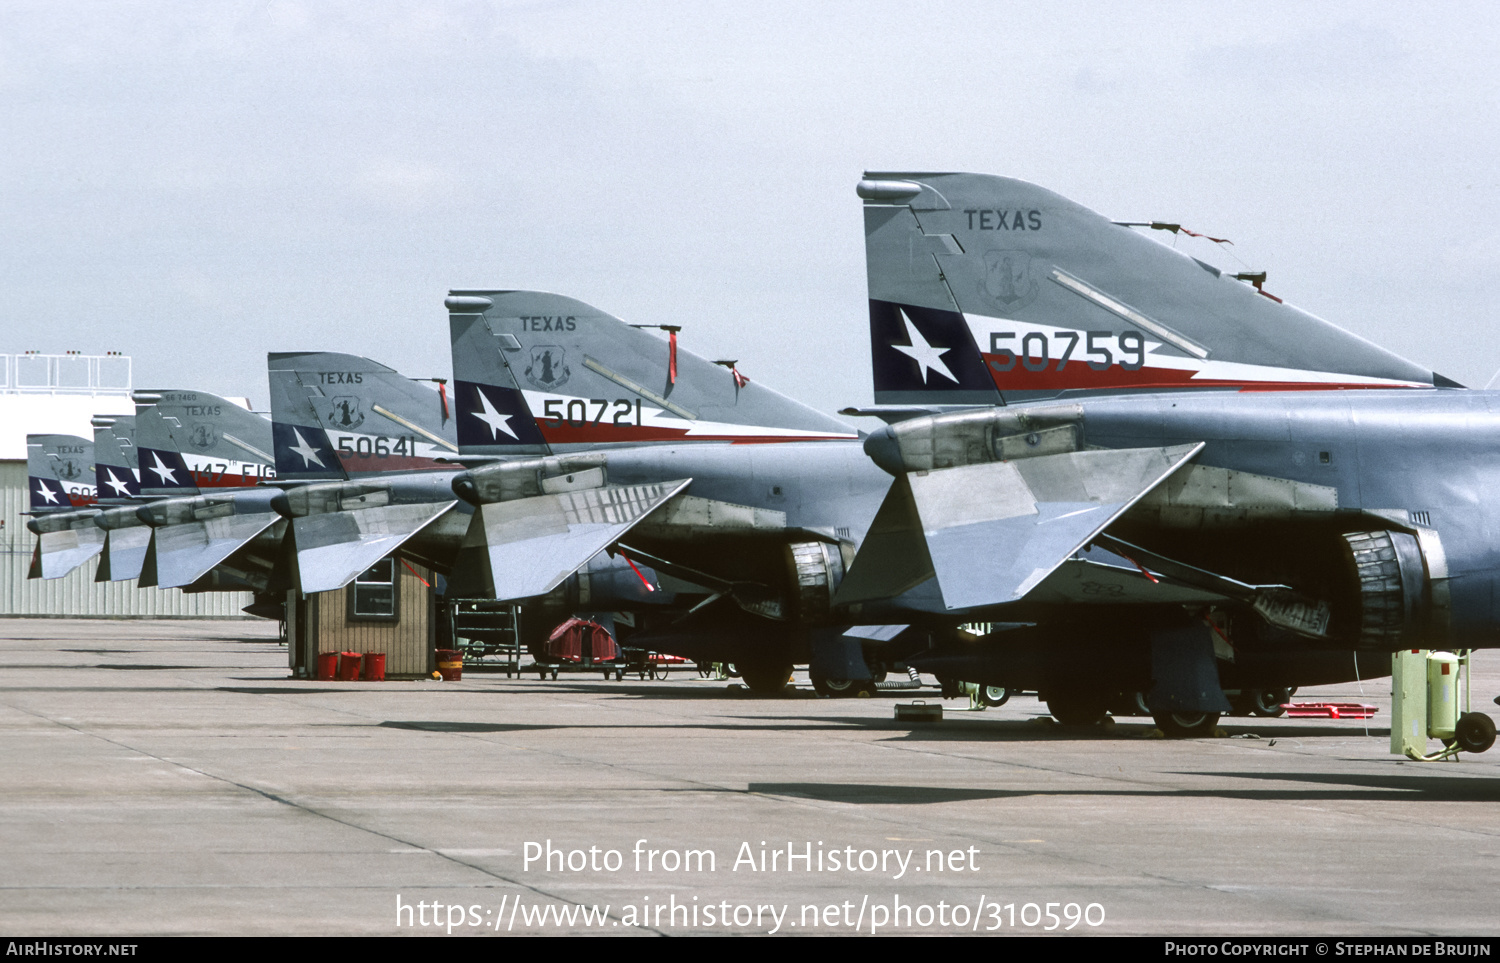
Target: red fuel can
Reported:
point(349, 663)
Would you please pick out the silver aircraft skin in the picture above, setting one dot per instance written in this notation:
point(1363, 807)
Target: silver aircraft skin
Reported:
point(1327, 497)
point(769, 528)
point(372, 447)
point(745, 501)
point(202, 462)
point(381, 450)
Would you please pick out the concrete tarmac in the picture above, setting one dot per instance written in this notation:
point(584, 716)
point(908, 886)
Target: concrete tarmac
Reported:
point(168, 778)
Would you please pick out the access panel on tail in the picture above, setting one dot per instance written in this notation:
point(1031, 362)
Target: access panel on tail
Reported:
point(990, 290)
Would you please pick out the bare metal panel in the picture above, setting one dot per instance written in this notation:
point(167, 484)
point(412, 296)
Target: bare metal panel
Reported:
point(64, 551)
point(181, 554)
point(689, 516)
point(995, 531)
point(893, 557)
point(124, 554)
point(333, 548)
point(532, 544)
point(1202, 495)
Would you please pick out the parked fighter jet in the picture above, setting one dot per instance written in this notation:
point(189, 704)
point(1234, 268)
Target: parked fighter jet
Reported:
point(384, 447)
point(369, 442)
point(201, 460)
point(748, 500)
point(1322, 528)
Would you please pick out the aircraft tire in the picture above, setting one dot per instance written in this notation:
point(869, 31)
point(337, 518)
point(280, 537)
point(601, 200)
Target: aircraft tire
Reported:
point(841, 688)
point(1076, 708)
point(994, 696)
point(767, 679)
point(1475, 732)
point(1186, 725)
point(1268, 702)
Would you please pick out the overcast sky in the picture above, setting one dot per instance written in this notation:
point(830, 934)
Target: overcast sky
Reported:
point(196, 184)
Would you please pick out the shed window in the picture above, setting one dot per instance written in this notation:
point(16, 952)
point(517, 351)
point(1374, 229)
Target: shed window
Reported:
point(373, 594)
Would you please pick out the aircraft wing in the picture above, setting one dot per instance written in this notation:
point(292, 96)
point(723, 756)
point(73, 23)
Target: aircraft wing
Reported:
point(124, 554)
point(334, 547)
point(180, 554)
point(992, 532)
point(58, 553)
point(529, 545)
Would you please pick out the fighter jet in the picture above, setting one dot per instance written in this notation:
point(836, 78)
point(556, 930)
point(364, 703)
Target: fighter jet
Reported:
point(1143, 411)
point(620, 442)
point(202, 460)
point(384, 447)
point(370, 443)
point(542, 452)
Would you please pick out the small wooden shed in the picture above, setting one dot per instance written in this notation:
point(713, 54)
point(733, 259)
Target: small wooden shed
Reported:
point(390, 608)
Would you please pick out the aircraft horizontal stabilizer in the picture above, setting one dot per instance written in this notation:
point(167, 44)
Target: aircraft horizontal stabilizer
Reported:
point(992, 532)
point(526, 547)
point(124, 554)
point(62, 552)
point(181, 554)
point(334, 547)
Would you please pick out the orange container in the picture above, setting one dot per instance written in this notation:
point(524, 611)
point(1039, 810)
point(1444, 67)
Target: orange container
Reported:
point(450, 663)
point(328, 665)
point(375, 667)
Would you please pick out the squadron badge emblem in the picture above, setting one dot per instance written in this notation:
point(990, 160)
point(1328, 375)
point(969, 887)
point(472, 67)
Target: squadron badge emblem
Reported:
point(548, 369)
point(202, 436)
point(1008, 279)
point(345, 413)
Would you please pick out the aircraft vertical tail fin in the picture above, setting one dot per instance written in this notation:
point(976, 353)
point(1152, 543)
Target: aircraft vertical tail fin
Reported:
point(116, 468)
point(339, 415)
point(60, 470)
point(192, 441)
point(588, 379)
point(987, 290)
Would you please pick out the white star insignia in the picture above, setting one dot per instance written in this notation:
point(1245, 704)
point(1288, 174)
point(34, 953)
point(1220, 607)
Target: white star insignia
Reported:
point(162, 471)
point(121, 488)
point(46, 492)
point(308, 453)
point(493, 418)
point(924, 354)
